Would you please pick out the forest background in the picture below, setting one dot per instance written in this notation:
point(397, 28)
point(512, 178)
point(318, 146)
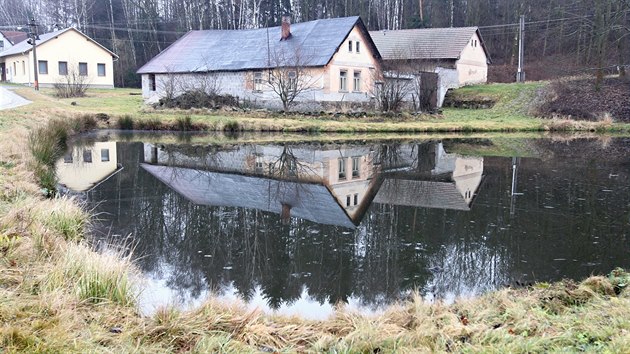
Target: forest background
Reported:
point(563, 37)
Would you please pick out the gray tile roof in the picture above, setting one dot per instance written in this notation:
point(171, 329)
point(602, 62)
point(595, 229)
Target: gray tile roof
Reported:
point(425, 43)
point(24, 47)
point(425, 194)
point(235, 50)
point(309, 201)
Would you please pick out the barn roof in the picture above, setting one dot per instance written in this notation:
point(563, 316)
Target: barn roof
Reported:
point(23, 47)
point(311, 44)
point(425, 43)
point(14, 37)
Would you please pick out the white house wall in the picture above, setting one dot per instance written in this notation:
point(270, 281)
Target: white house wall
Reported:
point(472, 65)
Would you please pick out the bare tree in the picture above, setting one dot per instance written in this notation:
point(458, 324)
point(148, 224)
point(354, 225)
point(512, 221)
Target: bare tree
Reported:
point(289, 75)
point(392, 86)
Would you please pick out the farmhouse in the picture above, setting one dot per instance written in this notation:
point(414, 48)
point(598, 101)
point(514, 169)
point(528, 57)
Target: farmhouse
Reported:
point(458, 55)
point(60, 55)
point(307, 64)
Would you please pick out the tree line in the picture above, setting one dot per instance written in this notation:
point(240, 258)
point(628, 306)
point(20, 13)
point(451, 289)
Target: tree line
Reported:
point(563, 37)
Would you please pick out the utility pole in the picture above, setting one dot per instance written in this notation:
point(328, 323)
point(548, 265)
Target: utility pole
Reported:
point(520, 75)
point(32, 38)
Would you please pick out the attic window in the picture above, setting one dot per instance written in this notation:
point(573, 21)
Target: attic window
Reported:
point(358, 47)
point(350, 46)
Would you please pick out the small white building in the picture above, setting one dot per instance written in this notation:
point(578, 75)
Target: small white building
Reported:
point(458, 54)
point(59, 54)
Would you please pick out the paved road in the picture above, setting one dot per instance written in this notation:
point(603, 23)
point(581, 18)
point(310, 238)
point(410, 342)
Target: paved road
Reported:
point(9, 99)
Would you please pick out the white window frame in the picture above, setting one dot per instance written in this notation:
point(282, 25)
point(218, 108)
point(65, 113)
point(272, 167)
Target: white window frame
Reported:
point(343, 80)
point(356, 81)
point(258, 81)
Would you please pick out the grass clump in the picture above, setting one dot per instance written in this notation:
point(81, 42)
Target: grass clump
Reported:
point(96, 278)
point(125, 122)
point(149, 124)
point(184, 123)
point(232, 126)
point(47, 144)
point(65, 218)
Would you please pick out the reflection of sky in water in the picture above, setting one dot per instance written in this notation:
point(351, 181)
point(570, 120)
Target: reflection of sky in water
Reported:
point(157, 293)
point(413, 234)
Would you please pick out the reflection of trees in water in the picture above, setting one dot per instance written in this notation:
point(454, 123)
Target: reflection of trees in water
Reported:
point(395, 247)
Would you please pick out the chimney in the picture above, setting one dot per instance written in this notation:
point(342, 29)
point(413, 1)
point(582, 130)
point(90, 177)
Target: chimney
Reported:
point(286, 27)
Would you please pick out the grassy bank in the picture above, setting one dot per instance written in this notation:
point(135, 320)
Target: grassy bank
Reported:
point(56, 295)
point(512, 110)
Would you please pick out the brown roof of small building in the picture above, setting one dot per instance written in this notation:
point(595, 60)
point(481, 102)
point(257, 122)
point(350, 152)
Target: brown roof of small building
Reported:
point(14, 37)
point(425, 43)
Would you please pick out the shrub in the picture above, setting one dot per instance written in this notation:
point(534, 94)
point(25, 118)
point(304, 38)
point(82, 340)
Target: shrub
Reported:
point(198, 99)
point(73, 84)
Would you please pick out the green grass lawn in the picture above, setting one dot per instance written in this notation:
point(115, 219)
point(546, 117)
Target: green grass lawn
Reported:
point(513, 111)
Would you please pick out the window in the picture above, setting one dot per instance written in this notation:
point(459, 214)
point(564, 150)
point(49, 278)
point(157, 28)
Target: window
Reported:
point(350, 46)
point(151, 82)
point(357, 81)
point(259, 164)
point(23, 68)
point(43, 67)
point(356, 199)
point(1, 44)
point(342, 168)
point(87, 156)
point(292, 80)
point(100, 69)
point(67, 158)
point(348, 200)
point(104, 155)
point(357, 47)
point(63, 68)
point(14, 68)
point(355, 167)
point(258, 81)
point(343, 80)
point(83, 69)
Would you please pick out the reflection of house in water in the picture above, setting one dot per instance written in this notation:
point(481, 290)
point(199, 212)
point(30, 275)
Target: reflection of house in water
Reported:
point(441, 180)
point(83, 167)
point(329, 184)
point(325, 185)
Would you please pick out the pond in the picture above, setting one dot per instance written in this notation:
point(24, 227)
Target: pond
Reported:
point(297, 227)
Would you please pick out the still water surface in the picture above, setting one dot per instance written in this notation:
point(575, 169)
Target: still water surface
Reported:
point(298, 227)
